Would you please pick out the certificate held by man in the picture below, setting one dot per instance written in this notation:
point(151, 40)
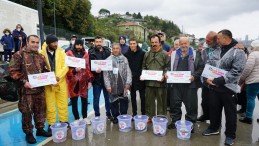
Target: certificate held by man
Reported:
point(212, 72)
point(104, 65)
point(152, 75)
point(178, 77)
point(42, 79)
point(74, 62)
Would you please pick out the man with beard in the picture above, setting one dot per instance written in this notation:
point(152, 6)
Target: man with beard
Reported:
point(185, 59)
point(211, 41)
point(135, 57)
point(32, 101)
point(100, 52)
point(56, 95)
point(155, 59)
point(223, 89)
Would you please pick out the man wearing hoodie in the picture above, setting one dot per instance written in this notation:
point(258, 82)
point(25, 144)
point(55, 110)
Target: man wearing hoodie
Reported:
point(223, 89)
point(165, 46)
point(135, 57)
point(123, 45)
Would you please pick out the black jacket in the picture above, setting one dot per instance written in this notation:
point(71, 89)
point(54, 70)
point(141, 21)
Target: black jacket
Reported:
point(135, 60)
point(95, 54)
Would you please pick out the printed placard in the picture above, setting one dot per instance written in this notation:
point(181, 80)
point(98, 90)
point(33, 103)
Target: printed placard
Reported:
point(152, 75)
point(178, 77)
point(42, 79)
point(212, 72)
point(104, 65)
point(74, 62)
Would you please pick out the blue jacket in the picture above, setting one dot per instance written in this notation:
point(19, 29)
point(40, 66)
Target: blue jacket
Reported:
point(165, 46)
point(8, 40)
point(124, 48)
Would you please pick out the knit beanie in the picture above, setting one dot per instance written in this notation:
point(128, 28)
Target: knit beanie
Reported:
point(51, 38)
point(79, 41)
point(122, 37)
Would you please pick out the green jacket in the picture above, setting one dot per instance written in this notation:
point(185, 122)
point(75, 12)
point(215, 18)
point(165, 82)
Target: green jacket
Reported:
point(156, 61)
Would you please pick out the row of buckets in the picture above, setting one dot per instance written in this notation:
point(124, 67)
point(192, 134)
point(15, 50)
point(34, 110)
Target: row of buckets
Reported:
point(59, 130)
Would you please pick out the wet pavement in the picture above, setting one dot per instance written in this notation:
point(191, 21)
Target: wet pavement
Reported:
point(247, 135)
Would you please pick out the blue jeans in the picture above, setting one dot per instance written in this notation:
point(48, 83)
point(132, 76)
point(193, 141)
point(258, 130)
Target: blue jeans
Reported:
point(251, 91)
point(96, 93)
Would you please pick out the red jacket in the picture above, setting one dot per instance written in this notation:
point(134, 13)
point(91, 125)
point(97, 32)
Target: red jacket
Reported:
point(82, 77)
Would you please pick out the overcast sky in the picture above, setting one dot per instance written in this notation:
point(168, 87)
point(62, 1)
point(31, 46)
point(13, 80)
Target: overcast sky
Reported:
point(196, 16)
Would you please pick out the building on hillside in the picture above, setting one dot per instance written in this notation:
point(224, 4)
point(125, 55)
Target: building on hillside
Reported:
point(133, 29)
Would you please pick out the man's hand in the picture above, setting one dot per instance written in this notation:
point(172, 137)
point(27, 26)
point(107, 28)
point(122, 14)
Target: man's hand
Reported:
point(141, 78)
point(109, 90)
point(57, 78)
point(166, 76)
point(27, 85)
point(78, 69)
point(209, 81)
point(89, 85)
point(192, 78)
point(162, 79)
point(98, 70)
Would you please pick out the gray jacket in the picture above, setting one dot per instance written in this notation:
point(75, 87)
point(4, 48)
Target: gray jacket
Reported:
point(233, 62)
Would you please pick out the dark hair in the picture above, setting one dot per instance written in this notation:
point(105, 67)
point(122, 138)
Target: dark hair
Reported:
point(33, 35)
point(6, 30)
point(226, 33)
point(133, 39)
point(97, 37)
point(154, 36)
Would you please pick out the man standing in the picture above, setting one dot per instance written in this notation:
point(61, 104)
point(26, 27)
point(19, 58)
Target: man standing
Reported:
point(185, 59)
point(135, 57)
point(165, 46)
point(72, 42)
point(118, 82)
point(155, 59)
point(223, 89)
point(56, 95)
point(100, 52)
point(123, 45)
point(32, 100)
point(211, 41)
point(176, 46)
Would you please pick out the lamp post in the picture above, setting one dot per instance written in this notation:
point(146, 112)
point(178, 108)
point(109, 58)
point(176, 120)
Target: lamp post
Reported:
point(40, 21)
point(55, 29)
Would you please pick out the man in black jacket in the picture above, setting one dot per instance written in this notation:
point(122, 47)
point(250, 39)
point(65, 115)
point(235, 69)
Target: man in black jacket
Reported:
point(99, 52)
point(135, 57)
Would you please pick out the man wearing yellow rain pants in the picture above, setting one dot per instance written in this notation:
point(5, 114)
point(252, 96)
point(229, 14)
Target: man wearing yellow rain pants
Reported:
point(56, 95)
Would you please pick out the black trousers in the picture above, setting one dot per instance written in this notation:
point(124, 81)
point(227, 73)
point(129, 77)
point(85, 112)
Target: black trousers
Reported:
point(217, 101)
point(134, 101)
point(183, 94)
point(242, 100)
point(119, 107)
point(84, 102)
point(205, 101)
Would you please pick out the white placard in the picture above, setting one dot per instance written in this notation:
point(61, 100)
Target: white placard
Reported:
point(179, 77)
point(74, 62)
point(152, 75)
point(212, 72)
point(104, 65)
point(42, 79)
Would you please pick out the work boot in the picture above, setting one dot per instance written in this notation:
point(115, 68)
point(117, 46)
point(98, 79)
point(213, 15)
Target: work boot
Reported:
point(30, 138)
point(42, 132)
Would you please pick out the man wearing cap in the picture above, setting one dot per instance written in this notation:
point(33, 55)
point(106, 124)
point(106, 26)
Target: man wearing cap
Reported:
point(72, 42)
point(56, 95)
point(123, 45)
point(165, 46)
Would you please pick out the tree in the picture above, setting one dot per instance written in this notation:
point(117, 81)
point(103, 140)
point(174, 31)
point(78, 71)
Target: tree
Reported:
point(139, 16)
point(134, 15)
point(128, 14)
point(104, 12)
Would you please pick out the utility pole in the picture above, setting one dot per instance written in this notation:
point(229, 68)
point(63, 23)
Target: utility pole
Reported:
point(40, 21)
point(55, 28)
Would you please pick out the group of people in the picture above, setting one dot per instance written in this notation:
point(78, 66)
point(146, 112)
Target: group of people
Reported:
point(128, 62)
point(13, 41)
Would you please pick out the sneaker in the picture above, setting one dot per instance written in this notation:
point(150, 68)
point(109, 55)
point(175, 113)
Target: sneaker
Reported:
point(30, 138)
point(209, 132)
point(87, 121)
point(202, 118)
point(42, 132)
point(246, 120)
point(171, 126)
point(229, 141)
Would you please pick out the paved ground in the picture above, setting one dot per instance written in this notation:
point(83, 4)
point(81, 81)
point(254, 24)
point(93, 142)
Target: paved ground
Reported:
point(247, 135)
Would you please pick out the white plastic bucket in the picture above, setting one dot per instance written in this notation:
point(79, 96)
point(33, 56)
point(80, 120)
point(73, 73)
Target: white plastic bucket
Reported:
point(124, 123)
point(184, 129)
point(98, 125)
point(78, 129)
point(59, 132)
point(159, 125)
point(140, 122)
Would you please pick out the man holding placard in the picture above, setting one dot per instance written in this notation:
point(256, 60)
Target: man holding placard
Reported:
point(32, 101)
point(222, 73)
point(186, 67)
point(154, 67)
